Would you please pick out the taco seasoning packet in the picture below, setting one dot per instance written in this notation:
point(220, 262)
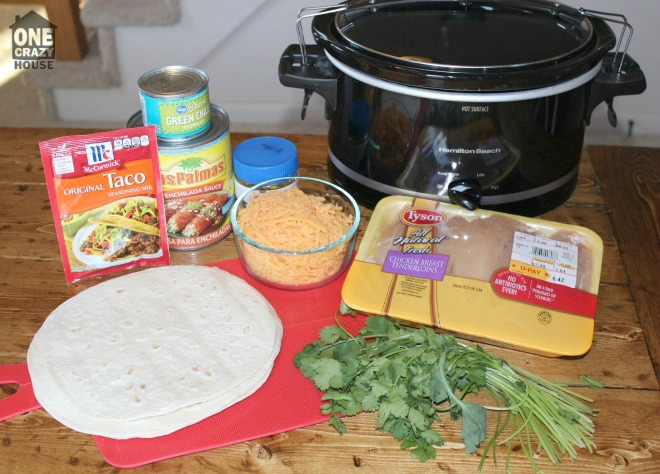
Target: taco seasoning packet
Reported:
point(107, 201)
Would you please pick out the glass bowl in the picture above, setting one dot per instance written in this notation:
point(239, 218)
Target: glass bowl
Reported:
point(295, 233)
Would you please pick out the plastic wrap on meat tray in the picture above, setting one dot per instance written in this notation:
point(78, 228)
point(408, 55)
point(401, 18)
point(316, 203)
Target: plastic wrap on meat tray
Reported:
point(515, 281)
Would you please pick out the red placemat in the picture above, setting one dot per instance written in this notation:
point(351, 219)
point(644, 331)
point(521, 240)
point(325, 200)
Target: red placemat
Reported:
point(286, 401)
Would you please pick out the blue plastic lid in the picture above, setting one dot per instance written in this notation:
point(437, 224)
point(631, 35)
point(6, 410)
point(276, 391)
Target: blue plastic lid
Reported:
point(263, 158)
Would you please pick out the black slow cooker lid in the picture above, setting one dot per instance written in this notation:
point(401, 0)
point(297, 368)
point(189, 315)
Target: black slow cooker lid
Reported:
point(504, 45)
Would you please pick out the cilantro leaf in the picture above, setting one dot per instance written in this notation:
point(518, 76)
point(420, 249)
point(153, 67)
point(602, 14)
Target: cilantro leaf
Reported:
point(395, 407)
point(477, 376)
point(430, 357)
point(345, 309)
point(438, 391)
point(418, 420)
point(305, 363)
point(347, 352)
point(371, 401)
point(331, 334)
point(432, 437)
point(337, 424)
point(384, 412)
point(391, 371)
point(423, 452)
point(400, 429)
point(377, 325)
point(474, 426)
point(350, 370)
point(328, 374)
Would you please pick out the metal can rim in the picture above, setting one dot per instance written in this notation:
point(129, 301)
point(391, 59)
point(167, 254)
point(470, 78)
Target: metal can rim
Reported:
point(198, 86)
point(219, 125)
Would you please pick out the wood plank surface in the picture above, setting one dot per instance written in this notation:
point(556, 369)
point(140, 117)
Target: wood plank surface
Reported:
point(630, 181)
point(627, 434)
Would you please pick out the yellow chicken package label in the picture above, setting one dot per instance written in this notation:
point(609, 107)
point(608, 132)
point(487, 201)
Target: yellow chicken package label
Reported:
point(518, 282)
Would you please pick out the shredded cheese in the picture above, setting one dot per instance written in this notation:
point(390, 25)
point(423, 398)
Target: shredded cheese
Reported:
point(293, 220)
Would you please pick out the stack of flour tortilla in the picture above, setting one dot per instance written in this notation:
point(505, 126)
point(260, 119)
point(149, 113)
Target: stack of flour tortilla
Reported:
point(151, 352)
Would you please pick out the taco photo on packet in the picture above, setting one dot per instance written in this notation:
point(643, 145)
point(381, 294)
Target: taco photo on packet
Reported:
point(128, 228)
point(139, 214)
point(113, 244)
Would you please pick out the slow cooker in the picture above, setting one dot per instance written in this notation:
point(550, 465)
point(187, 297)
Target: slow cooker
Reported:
point(484, 103)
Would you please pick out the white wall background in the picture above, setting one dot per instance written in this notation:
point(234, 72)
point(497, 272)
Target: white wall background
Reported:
point(239, 43)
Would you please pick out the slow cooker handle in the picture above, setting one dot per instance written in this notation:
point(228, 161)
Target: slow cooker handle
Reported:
point(317, 75)
point(611, 82)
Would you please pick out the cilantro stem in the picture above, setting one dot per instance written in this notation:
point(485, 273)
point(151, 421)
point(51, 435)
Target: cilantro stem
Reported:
point(442, 376)
point(340, 325)
point(408, 374)
point(547, 409)
point(499, 429)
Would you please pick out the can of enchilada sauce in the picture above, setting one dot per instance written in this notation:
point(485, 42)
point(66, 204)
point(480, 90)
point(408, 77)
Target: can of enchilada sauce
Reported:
point(197, 182)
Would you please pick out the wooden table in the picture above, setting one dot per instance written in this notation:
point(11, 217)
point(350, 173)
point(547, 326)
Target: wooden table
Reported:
point(617, 196)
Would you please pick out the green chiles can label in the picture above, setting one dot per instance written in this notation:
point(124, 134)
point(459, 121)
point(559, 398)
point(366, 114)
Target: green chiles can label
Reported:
point(175, 100)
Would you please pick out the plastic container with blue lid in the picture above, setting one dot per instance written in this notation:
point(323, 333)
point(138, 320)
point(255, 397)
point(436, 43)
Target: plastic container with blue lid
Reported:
point(261, 159)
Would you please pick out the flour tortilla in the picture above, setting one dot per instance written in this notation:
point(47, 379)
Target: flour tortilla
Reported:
point(151, 352)
point(156, 425)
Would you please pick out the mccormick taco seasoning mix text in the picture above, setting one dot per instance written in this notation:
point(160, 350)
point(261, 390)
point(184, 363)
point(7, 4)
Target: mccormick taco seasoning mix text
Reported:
point(107, 201)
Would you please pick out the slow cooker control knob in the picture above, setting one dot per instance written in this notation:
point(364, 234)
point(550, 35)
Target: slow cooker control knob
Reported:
point(465, 192)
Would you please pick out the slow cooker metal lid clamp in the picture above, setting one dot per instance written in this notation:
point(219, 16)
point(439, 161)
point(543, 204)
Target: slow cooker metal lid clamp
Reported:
point(308, 67)
point(318, 75)
point(611, 81)
point(321, 77)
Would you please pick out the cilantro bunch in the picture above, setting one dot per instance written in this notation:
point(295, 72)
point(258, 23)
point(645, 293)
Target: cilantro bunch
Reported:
point(411, 376)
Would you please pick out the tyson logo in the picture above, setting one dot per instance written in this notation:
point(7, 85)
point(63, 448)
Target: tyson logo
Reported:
point(422, 217)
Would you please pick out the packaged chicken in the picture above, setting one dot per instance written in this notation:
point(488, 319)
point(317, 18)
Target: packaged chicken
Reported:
point(514, 281)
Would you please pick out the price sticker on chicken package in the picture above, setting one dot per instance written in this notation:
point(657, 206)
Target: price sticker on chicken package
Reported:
point(545, 259)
